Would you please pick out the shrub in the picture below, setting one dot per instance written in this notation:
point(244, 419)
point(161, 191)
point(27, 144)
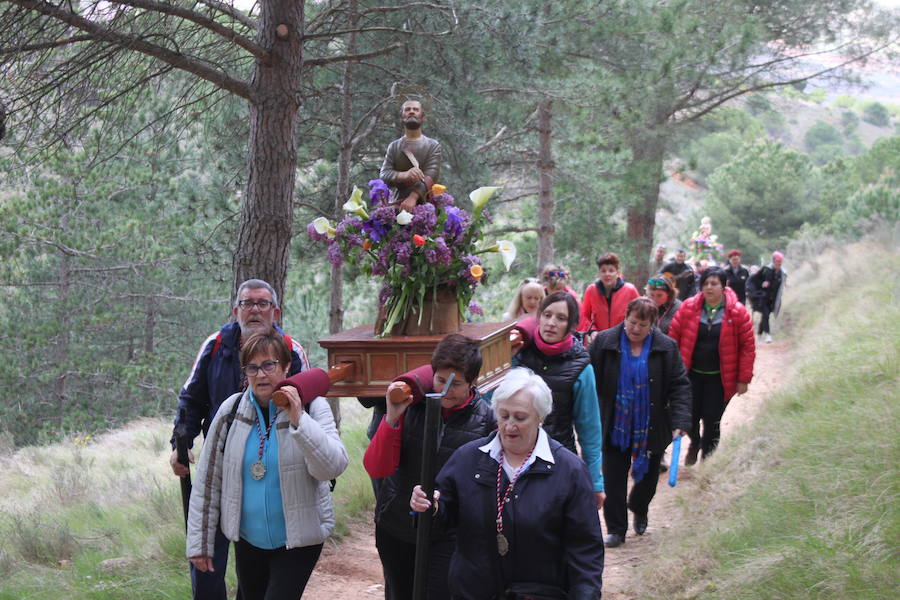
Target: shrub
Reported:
point(849, 121)
point(42, 542)
point(876, 114)
point(820, 134)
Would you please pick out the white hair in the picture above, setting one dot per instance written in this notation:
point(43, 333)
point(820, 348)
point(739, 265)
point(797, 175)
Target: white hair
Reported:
point(522, 379)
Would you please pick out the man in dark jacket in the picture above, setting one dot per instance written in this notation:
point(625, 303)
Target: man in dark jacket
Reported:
point(737, 276)
point(215, 376)
point(670, 410)
point(682, 273)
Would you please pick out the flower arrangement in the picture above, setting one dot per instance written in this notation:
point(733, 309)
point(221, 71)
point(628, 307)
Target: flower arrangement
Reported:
point(436, 246)
point(705, 244)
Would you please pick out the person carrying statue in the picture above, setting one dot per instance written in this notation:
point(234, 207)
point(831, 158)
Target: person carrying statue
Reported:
point(412, 162)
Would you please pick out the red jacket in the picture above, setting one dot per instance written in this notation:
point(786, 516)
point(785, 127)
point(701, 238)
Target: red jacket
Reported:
point(598, 314)
point(737, 349)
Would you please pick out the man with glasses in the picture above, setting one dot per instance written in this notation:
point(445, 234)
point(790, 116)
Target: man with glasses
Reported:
point(215, 376)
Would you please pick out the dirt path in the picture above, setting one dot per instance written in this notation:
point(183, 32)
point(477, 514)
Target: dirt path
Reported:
point(352, 570)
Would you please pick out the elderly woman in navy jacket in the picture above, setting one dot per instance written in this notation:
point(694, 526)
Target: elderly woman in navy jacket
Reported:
point(523, 505)
point(645, 402)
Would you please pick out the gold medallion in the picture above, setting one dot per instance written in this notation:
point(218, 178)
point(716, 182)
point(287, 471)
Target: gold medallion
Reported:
point(258, 470)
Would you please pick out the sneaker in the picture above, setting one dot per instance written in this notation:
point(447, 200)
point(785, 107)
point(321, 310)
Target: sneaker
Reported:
point(768, 338)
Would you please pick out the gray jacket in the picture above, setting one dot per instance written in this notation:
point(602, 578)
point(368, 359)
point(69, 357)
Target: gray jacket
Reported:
point(308, 457)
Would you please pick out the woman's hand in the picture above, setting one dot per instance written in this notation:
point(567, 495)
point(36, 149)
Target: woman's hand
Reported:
point(295, 408)
point(741, 389)
point(396, 409)
point(601, 499)
point(419, 502)
point(203, 563)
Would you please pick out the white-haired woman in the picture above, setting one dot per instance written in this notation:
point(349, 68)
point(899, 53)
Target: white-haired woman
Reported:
point(523, 506)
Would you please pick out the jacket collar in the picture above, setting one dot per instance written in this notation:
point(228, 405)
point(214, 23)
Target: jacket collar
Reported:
point(609, 339)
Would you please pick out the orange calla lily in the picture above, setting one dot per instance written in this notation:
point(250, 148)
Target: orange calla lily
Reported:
point(438, 189)
point(418, 240)
point(476, 271)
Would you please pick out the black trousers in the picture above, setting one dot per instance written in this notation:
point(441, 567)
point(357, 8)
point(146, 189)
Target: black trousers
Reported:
point(398, 559)
point(764, 309)
point(616, 466)
point(709, 405)
point(279, 574)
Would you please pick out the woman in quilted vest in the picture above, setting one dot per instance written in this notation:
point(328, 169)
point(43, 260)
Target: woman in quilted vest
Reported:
point(560, 359)
point(715, 335)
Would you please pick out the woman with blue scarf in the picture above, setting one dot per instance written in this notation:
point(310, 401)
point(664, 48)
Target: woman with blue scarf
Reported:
point(645, 403)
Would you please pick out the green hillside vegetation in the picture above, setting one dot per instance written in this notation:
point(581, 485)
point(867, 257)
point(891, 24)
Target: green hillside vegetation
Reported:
point(806, 502)
point(67, 507)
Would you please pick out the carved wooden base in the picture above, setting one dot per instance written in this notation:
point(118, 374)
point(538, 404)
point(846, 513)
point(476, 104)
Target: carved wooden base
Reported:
point(377, 361)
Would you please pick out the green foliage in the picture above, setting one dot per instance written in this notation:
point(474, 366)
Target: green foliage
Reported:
point(761, 197)
point(822, 133)
point(876, 114)
point(849, 122)
point(844, 101)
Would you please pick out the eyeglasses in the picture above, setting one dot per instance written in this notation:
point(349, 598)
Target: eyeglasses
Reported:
point(262, 305)
point(268, 367)
point(560, 274)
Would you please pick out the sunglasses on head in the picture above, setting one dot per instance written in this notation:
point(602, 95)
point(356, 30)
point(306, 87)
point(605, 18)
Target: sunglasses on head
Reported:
point(658, 282)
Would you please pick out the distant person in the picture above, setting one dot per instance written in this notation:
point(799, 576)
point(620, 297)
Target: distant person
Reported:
point(714, 333)
point(737, 275)
point(605, 301)
point(560, 359)
point(658, 261)
point(645, 400)
point(395, 457)
point(766, 288)
point(412, 163)
point(682, 273)
point(215, 376)
point(527, 520)
point(264, 477)
point(556, 278)
point(527, 300)
point(662, 291)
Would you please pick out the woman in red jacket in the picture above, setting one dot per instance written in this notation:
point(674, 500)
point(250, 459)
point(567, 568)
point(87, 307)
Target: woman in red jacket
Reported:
point(715, 335)
point(606, 300)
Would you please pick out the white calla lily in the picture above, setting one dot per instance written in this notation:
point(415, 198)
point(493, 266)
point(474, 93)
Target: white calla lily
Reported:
point(355, 204)
point(507, 252)
point(404, 217)
point(324, 227)
point(481, 196)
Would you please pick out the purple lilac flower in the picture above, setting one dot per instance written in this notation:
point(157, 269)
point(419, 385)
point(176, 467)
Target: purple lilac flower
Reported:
point(383, 263)
point(334, 255)
point(385, 293)
point(424, 219)
point(443, 200)
point(378, 191)
point(475, 308)
point(444, 254)
point(315, 235)
point(402, 252)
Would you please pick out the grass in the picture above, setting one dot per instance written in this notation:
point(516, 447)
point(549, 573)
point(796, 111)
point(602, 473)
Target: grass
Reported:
point(807, 505)
point(67, 507)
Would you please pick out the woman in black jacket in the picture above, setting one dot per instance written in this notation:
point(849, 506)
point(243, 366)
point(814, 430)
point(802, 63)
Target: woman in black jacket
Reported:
point(645, 403)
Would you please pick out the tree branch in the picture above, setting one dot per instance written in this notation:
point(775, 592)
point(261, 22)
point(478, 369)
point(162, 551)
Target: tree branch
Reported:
point(105, 34)
point(46, 45)
point(205, 22)
point(237, 15)
point(354, 57)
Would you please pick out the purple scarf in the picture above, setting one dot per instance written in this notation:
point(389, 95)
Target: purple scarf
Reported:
point(632, 413)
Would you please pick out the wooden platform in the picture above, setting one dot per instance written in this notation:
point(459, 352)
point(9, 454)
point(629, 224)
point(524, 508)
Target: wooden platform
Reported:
point(377, 361)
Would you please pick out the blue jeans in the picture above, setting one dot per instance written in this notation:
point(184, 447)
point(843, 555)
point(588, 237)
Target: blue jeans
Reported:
point(211, 586)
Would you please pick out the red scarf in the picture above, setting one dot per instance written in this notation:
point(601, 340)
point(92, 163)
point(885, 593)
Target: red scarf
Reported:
point(559, 347)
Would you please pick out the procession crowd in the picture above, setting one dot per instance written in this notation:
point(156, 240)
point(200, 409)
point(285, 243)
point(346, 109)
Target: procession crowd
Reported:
point(601, 384)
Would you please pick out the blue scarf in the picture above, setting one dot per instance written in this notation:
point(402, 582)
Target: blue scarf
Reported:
point(632, 415)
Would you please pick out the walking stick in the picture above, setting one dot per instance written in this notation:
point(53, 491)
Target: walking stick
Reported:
point(181, 446)
point(429, 453)
point(673, 467)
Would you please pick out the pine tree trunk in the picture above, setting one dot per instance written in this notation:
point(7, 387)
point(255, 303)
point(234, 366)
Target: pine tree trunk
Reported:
point(266, 221)
point(644, 179)
point(546, 228)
